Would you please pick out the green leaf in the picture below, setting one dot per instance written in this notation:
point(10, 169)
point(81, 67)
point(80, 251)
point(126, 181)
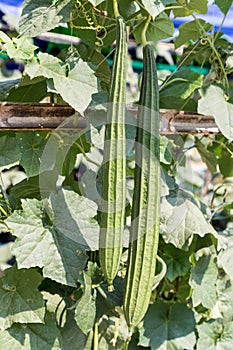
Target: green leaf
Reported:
point(72, 334)
point(191, 31)
point(202, 280)
point(225, 160)
point(177, 261)
point(39, 244)
point(161, 28)
point(6, 87)
point(213, 103)
point(28, 188)
point(181, 218)
point(199, 6)
point(20, 299)
point(168, 327)
point(207, 157)
point(74, 218)
point(32, 336)
point(224, 6)
point(166, 150)
point(225, 256)
point(208, 333)
point(18, 48)
point(87, 33)
point(9, 149)
point(127, 8)
point(75, 88)
point(212, 335)
point(85, 310)
point(224, 288)
point(31, 145)
point(29, 90)
point(40, 16)
point(182, 84)
point(154, 8)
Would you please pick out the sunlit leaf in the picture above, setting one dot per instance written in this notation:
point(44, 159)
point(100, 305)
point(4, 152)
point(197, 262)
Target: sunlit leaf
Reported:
point(32, 336)
point(40, 16)
point(213, 102)
point(40, 244)
point(202, 280)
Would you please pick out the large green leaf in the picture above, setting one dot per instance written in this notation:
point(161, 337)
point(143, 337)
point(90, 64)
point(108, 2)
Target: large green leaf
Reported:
point(29, 90)
point(39, 16)
point(207, 156)
point(213, 103)
point(224, 6)
point(190, 6)
point(40, 244)
point(168, 327)
point(181, 84)
point(181, 218)
point(161, 28)
point(32, 336)
point(203, 280)
point(9, 149)
point(191, 31)
point(76, 87)
point(74, 218)
point(20, 300)
point(31, 145)
point(177, 261)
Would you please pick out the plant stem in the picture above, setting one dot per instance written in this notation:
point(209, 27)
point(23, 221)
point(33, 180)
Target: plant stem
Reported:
point(95, 337)
point(143, 35)
point(115, 8)
point(218, 57)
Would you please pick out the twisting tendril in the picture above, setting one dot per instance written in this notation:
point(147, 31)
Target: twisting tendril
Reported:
point(92, 24)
